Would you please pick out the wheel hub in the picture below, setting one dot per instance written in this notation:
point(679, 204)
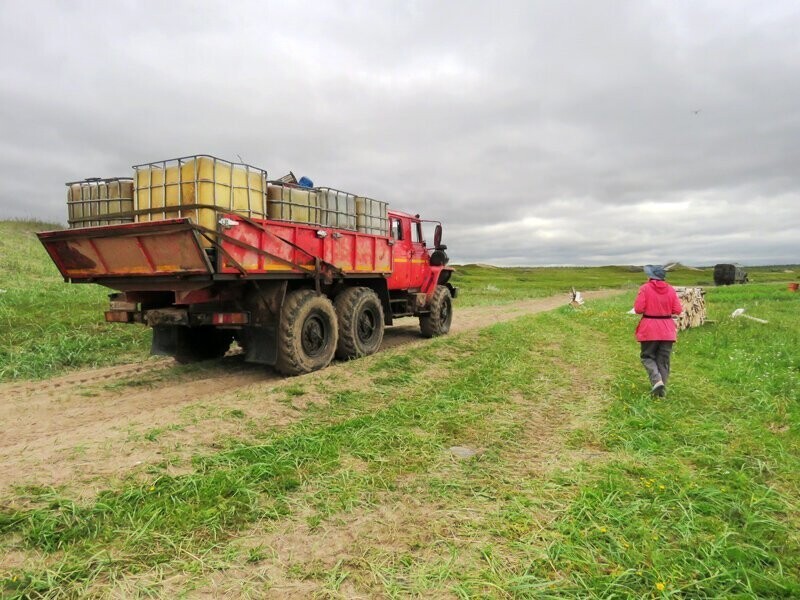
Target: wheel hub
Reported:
point(366, 325)
point(314, 335)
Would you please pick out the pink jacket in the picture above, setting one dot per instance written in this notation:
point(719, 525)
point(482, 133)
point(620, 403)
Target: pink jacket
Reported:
point(657, 299)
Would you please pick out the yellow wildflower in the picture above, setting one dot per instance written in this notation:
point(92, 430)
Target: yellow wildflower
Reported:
point(603, 530)
point(152, 488)
point(660, 586)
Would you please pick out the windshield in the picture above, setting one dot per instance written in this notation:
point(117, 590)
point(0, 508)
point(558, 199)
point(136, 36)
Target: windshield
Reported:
point(428, 228)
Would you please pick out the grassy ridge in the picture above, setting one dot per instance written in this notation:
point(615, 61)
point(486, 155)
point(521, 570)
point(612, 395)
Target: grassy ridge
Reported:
point(692, 496)
point(47, 326)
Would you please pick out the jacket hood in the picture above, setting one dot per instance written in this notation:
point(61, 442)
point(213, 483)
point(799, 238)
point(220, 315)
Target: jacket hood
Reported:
point(660, 286)
point(655, 272)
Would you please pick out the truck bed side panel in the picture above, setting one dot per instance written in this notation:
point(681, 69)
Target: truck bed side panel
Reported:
point(350, 251)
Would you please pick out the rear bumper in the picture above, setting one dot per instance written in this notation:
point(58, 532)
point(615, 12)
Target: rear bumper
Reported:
point(177, 317)
point(181, 316)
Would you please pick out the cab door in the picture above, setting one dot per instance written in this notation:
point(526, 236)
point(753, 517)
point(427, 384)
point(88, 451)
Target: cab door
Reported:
point(401, 253)
point(419, 256)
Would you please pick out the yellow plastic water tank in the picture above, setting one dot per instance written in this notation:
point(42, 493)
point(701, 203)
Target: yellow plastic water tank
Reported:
point(120, 197)
point(287, 203)
point(338, 208)
point(372, 216)
point(198, 187)
point(95, 202)
point(74, 204)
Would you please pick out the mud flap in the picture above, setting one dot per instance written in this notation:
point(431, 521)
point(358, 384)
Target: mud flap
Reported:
point(260, 344)
point(167, 340)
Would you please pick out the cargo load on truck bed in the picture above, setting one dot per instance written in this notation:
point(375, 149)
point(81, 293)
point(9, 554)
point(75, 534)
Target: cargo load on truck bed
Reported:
point(202, 214)
point(200, 186)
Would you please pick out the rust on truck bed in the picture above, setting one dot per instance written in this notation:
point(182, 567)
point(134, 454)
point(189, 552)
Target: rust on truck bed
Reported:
point(170, 247)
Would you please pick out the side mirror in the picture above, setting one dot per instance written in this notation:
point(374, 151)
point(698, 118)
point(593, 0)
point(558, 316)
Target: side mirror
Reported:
point(437, 236)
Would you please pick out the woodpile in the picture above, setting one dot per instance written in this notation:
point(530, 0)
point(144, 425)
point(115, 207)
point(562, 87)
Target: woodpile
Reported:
point(694, 307)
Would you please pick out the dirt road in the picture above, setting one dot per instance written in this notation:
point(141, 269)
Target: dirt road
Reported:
point(89, 428)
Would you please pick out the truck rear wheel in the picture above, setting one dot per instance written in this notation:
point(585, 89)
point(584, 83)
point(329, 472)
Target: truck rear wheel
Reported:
point(360, 317)
point(307, 334)
point(437, 321)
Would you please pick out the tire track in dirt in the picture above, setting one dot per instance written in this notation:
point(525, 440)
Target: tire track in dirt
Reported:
point(83, 378)
point(87, 426)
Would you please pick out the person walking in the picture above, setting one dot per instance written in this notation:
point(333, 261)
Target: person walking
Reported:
point(657, 301)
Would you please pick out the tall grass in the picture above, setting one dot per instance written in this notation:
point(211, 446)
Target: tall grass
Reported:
point(698, 498)
point(46, 325)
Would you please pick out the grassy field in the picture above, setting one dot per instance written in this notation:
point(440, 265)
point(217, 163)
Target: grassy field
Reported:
point(48, 327)
point(582, 484)
point(484, 284)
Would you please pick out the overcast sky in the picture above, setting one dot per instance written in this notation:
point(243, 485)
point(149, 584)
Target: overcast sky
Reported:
point(559, 132)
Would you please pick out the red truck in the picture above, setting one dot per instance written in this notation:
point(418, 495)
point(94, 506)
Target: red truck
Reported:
point(293, 295)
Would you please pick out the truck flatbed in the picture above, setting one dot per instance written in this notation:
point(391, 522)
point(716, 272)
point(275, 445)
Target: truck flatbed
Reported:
point(242, 247)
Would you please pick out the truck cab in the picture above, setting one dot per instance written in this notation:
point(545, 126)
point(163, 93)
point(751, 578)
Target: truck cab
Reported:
point(417, 268)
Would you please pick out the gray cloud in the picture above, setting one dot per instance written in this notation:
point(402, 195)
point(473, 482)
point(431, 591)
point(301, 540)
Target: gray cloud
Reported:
point(538, 132)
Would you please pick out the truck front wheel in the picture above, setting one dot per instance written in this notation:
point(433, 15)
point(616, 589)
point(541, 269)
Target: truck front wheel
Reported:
point(308, 333)
point(360, 317)
point(437, 321)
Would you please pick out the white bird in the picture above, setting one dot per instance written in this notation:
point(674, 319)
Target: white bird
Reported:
point(577, 298)
point(739, 312)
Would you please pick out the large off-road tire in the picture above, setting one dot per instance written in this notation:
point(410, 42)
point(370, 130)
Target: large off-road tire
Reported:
point(360, 316)
point(307, 334)
point(193, 344)
point(437, 321)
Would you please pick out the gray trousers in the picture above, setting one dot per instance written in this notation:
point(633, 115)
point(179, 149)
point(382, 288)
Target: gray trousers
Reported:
point(655, 358)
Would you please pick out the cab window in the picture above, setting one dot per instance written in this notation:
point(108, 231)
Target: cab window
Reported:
point(416, 232)
point(397, 229)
